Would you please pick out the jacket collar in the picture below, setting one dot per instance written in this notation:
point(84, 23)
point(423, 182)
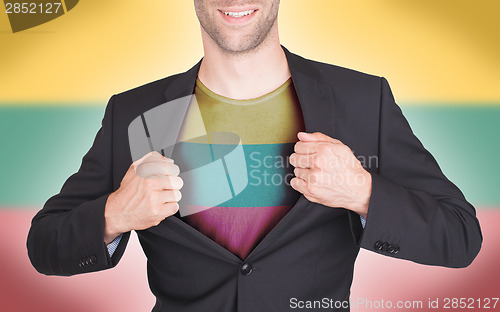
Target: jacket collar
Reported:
point(315, 96)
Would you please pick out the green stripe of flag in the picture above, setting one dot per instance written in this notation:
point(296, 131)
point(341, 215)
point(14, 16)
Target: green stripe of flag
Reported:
point(43, 145)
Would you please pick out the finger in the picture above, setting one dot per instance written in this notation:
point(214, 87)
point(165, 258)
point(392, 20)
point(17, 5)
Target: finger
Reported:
point(172, 169)
point(301, 173)
point(151, 170)
point(171, 183)
point(302, 161)
point(309, 147)
point(157, 169)
point(316, 137)
point(169, 160)
point(165, 183)
point(303, 147)
point(311, 176)
point(171, 196)
point(301, 186)
point(171, 208)
point(298, 184)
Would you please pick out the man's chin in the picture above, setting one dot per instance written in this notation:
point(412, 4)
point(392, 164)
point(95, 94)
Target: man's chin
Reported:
point(241, 47)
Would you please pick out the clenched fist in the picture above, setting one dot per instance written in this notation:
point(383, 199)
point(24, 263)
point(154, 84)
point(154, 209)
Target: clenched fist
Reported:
point(148, 193)
point(327, 172)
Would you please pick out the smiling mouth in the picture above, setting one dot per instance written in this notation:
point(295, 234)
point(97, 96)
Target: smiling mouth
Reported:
point(239, 14)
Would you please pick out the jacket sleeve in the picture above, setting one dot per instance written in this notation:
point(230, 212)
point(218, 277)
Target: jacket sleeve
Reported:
point(66, 236)
point(415, 212)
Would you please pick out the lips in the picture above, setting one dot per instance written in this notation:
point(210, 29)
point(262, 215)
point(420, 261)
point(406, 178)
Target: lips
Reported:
point(237, 16)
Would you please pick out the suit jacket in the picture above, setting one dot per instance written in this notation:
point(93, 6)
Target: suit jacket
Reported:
point(415, 212)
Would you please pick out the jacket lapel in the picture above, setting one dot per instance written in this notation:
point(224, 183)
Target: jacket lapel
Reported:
point(317, 104)
point(316, 99)
point(183, 85)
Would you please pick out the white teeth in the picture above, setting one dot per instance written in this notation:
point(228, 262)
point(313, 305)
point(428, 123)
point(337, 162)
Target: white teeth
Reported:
point(239, 14)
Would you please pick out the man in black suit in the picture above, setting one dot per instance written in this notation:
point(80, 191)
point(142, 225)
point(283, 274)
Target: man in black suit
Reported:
point(412, 211)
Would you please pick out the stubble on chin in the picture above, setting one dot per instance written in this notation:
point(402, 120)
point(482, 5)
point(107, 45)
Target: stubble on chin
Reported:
point(247, 44)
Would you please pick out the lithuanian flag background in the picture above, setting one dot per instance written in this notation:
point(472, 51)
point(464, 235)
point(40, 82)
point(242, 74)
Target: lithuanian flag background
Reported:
point(441, 58)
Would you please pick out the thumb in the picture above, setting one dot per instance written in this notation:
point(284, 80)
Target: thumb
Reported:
point(316, 137)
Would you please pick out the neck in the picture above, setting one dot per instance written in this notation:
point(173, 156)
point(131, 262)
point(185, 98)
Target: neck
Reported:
point(244, 75)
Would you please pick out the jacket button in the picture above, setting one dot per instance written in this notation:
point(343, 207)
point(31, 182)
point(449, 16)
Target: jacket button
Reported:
point(82, 263)
point(246, 269)
point(93, 260)
point(385, 245)
point(395, 249)
point(390, 249)
point(378, 245)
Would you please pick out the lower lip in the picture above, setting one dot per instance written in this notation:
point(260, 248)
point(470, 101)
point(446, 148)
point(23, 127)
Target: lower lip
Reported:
point(237, 20)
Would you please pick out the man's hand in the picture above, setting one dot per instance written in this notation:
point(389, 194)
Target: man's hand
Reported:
point(327, 172)
point(148, 193)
